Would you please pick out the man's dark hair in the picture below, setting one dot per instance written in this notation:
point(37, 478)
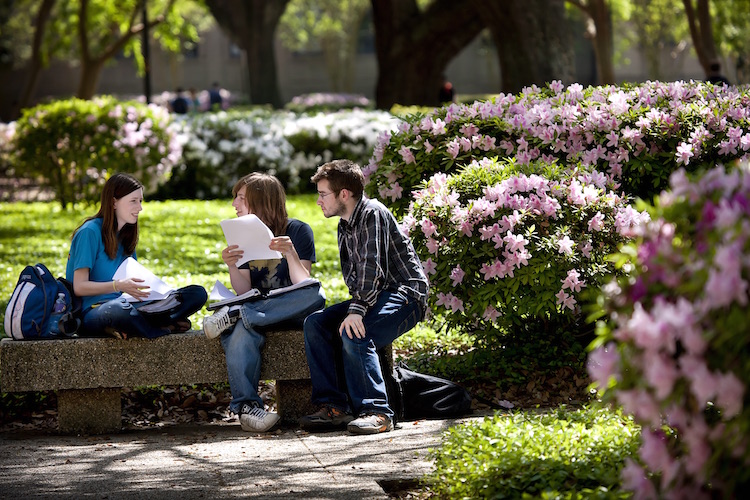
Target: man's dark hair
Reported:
point(342, 174)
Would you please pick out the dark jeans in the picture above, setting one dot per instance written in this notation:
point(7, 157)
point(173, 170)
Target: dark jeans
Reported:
point(123, 316)
point(341, 367)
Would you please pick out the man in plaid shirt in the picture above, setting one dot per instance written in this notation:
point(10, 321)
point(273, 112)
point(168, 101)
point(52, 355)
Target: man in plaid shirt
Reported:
point(389, 296)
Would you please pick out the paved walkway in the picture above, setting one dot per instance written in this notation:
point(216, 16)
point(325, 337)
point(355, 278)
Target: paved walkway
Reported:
point(216, 461)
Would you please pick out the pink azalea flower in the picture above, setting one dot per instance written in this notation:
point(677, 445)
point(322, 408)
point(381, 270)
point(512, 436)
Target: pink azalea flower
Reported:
point(428, 228)
point(565, 245)
point(634, 479)
point(407, 155)
point(603, 363)
point(729, 395)
point(490, 314)
point(684, 153)
point(429, 266)
point(457, 275)
point(565, 299)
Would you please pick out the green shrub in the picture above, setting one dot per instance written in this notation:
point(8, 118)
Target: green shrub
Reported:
point(635, 134)
point(507, 246)
point(563, 454)
point(74, 145)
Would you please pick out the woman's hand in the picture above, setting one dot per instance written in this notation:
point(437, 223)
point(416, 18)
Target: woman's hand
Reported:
point(231, 254)
point(284, 245)
point(134, 287)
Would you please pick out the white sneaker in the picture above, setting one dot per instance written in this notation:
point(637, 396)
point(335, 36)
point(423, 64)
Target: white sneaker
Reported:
point(218, 322)
point(258, 420)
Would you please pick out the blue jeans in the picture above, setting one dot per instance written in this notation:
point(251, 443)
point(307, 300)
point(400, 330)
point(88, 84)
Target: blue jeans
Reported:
point(243, 343)
point(123, 316)
point(341, 367)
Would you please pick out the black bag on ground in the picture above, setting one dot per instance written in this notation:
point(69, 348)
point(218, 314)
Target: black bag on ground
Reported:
point(414, 396)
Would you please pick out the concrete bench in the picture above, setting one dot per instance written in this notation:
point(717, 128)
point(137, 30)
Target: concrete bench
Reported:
point(89, 373)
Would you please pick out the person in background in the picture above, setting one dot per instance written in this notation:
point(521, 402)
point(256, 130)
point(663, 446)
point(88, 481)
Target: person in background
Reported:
point(99, 245)
point(180, 103)
point(195, 102)
point(715, 76)
point(447, 93)
point(389, 296)
point(215, 100)
point(263, 195)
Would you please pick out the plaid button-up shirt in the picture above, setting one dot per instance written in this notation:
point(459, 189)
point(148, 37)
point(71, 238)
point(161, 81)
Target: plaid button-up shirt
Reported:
point(376, 256)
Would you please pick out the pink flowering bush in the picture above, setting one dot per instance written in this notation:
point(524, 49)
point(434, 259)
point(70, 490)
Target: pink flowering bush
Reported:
point(74, 145)
point(505, 244)
point(673, 347)
point(636, 135)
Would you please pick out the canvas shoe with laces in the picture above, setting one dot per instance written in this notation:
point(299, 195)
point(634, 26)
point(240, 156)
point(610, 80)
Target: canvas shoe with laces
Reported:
point(372, 423)
point(220, 321)
point(327, 418)
point(256, 419)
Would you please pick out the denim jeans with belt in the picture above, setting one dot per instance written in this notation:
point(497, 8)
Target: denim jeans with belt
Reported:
point(242, 344)
point(123, 316)
point(341, 367)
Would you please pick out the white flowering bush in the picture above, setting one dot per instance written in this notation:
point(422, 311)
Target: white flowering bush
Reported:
point(673, 347)
point(505, 244)
point(222, 147)
point(634, 134)
point(74, 145)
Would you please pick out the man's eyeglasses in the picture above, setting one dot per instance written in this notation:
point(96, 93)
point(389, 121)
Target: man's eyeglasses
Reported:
point(322, 195)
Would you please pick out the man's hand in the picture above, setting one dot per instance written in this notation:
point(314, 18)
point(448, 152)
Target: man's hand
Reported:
point(353, 326)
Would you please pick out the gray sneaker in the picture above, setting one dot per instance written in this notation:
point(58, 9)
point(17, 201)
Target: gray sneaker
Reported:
point(219, 322)
point(254, 419)
point(373, 423)
point(327, 418)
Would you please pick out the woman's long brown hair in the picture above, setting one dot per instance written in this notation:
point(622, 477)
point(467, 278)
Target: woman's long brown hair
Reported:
point(116, 187)
point(266, 198)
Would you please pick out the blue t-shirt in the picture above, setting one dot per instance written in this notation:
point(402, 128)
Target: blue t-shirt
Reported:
point(87, 251)
point(268, 274)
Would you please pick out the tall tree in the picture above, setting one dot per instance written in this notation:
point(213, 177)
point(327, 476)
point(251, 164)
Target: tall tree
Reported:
point(93, 32)
point(599, 31)
point(701, 31)
point(532, 39)
point(252, 24)
point(38, 58)
point(414, 46)
point(331, 25)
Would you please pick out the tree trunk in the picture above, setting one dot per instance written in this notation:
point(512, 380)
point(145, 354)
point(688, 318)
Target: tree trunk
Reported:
point(251, 24)
point(413, 48)
point(532, 39)
point(603, 42)
point(36, 64)
point(91, 71)
point(701, 32)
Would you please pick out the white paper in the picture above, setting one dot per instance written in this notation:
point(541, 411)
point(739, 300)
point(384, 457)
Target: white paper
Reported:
point(220, 292)
point(131, 268)
point(224, 296)
point(251, 235)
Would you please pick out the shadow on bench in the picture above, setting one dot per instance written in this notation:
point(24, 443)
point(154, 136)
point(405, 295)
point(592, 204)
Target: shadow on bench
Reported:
point(89, 373)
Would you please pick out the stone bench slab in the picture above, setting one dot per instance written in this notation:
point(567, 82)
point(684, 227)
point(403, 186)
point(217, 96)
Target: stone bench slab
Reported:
point(89, 373)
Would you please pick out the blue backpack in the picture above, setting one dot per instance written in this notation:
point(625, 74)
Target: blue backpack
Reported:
point(41, 307)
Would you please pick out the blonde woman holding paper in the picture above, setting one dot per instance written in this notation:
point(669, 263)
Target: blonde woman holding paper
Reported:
point(241, 326)
point(99, 247)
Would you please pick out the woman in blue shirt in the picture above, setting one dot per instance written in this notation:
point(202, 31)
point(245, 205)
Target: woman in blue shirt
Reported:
point(100, 244)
